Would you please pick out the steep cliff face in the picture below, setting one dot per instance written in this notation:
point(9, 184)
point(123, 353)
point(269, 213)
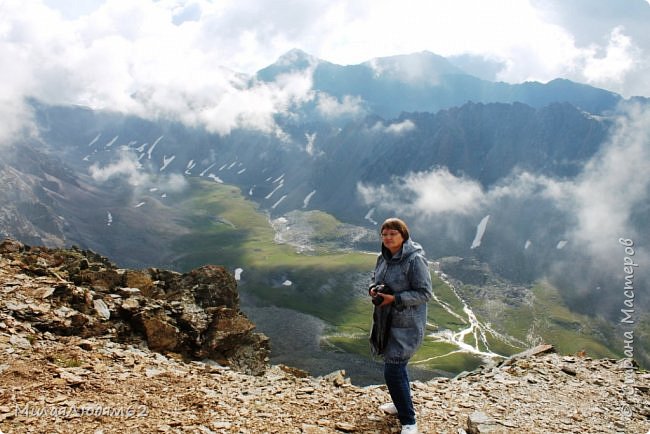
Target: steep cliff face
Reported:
point(80, 293)
point(26, 210)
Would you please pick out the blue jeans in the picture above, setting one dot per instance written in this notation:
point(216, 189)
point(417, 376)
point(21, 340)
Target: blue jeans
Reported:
point(397, 380)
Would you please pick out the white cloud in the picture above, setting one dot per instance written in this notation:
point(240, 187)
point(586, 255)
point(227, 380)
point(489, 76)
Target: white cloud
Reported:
point(251, 107)
point(131, 57)
point(620, 57)
point(128, 167)
point(438, 192)
point(600, 201)
point(330, 106)
point(426, 193)
point(177, 59)
point(172, 183)
point(16, 119)
point(613, 184)
point(395, 128)
point(415, 70)
point(523, 36)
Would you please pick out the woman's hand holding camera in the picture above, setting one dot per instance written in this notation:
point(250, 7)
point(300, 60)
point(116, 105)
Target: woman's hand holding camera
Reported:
point(387, 299)
point(381, 295)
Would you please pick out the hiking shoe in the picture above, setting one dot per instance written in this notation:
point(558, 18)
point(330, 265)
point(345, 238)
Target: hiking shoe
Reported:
point(410, 429)
point(388, 408)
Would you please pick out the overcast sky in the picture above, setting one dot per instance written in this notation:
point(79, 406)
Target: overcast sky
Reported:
point(177, 58)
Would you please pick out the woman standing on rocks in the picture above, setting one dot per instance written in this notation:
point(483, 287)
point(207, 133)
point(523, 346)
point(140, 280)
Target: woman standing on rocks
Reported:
point(400, 290)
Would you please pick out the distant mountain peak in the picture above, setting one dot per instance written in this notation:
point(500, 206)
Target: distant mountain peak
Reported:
point(297, 58)
point(292, 61)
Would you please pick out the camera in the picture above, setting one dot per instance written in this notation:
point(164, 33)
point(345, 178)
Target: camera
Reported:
point(380, 288)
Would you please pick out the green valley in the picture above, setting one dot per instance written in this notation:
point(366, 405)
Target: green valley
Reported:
point(328, 281)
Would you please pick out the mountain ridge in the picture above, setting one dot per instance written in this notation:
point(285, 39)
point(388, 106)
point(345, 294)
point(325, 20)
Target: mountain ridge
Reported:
point(427, 82)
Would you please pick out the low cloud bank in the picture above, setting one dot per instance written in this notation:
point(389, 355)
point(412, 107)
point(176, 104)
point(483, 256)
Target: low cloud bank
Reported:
point(588, 214)
point(128, 168)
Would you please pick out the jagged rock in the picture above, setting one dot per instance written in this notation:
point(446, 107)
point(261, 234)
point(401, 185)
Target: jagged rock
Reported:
point(128, 292)
point(141, 281)
point(86, 345)
point(313, 429)
point(337, 378)
point(294, 371)
point(70, 378)
point(569, 370)
point(20, 342)
point(480, 423)
point(130, 304)
point(212, 286)
point(345, 427)
point(11, 246)
point(161, 336)
point(195, 314)
point(101, 308)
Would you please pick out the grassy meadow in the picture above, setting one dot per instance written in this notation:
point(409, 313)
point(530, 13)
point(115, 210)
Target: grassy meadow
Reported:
point(226, 228)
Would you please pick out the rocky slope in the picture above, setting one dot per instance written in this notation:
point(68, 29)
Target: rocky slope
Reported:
point(76, 355)
point(79, 293)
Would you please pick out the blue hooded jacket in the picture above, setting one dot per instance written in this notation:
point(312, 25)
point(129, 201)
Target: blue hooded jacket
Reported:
point(407, 274)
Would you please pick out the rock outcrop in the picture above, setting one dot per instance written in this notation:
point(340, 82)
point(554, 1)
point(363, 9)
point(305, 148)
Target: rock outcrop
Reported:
point(79, 293)
point(78, 358)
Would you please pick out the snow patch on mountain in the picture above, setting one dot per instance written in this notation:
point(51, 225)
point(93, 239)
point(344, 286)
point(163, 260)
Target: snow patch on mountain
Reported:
point(305, 202)
point(480, 231)
point(167, 161)
point(109, 144)
point(268, 196)
point(190, 165)
point(206, 169)
point(309, 147)
point(278, 202)
point(153, 146)
point(369, 214)
point(93, 141)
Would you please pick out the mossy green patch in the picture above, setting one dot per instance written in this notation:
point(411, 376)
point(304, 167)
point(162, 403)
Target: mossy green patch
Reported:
point(554, 323)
